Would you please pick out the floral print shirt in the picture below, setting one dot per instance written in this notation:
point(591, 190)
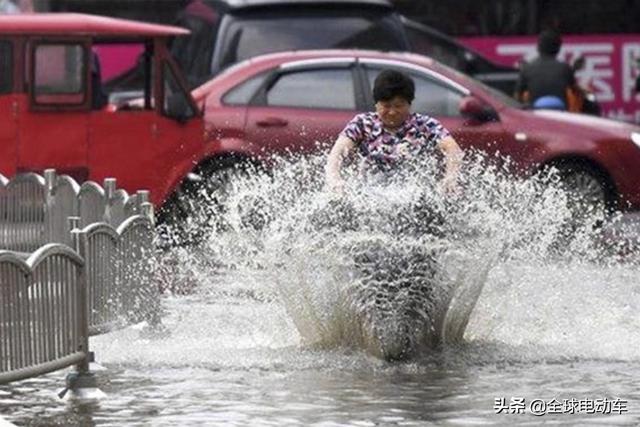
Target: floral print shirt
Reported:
point(385, 149)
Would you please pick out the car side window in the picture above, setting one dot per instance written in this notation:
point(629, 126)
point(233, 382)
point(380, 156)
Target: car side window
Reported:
point(6, 67)
point(59, 74)
point(432, 97)
point(320, 88)
point(242, 93)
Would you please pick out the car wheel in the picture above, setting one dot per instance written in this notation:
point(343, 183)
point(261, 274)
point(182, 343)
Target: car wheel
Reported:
point(198, 206)
point(588, 191)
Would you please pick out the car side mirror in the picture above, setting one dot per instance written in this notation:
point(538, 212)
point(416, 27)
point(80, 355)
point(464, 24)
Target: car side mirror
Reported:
point(476, 109)
point(178, 108)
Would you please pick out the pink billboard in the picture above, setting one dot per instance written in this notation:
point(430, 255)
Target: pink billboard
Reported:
point(610, 69)
point(116, 59)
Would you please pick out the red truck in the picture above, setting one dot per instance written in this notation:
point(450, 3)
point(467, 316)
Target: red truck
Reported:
point(55, 113)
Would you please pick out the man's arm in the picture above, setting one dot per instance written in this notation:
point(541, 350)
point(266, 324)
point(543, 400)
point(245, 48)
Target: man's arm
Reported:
point(521, 90)
point(341, 149)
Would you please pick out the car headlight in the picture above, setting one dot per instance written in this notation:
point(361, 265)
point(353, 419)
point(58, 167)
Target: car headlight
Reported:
point(635, 137)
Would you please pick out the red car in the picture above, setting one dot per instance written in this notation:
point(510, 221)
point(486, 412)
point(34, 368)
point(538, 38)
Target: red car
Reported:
point(291, 101)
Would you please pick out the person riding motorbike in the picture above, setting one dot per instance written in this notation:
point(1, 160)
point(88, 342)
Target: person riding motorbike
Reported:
point(547, 82)
point(392, 134)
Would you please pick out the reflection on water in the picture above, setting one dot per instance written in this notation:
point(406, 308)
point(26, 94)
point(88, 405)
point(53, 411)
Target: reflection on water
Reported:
point(264, 319)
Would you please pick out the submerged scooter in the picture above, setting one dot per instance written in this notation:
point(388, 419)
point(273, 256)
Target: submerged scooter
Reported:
point(398, 295)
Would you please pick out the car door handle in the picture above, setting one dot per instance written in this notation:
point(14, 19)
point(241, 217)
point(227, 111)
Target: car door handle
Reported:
point(272, 122)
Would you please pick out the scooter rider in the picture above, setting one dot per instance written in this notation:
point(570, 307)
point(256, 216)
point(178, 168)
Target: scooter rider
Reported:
point(392, 133)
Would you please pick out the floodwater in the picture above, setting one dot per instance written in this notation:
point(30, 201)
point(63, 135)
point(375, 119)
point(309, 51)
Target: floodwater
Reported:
point(539, 325)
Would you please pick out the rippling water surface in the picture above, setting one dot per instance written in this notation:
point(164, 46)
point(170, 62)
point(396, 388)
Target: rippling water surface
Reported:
point(269, 321)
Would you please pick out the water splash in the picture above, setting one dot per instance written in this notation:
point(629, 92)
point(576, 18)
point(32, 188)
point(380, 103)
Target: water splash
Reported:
point(395, 266)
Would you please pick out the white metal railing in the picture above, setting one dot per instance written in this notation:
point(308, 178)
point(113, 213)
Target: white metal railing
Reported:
point(22, 212)
point(43, 312)
point(62, 202)
point(95, 277)
point(34, 209)
point(120, 268)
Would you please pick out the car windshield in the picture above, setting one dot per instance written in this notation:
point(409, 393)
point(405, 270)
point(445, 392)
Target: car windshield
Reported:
point(248, 37)
point(427, 44)
point(445, 49)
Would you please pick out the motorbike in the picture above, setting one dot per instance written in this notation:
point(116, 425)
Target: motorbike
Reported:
point(398, 295)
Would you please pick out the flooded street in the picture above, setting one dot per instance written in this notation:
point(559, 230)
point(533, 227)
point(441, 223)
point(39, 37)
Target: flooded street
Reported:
point(237, 361)
point(271, 325)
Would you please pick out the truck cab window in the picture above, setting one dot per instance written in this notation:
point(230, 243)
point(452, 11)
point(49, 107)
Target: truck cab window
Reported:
point(59, 74)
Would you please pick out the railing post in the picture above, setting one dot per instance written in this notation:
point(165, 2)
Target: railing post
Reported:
point(109, 193)
point(79, 239)
point(156, 328)
point(146, 209)
point(73, 223)
point(50, 178)
point(109, 187)
point(142, 197)
point(82, 383)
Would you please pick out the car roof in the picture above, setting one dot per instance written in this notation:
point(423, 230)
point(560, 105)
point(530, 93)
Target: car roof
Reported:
point(301, 55)
point(82, 24)
point(247, 4)
point(268, 60)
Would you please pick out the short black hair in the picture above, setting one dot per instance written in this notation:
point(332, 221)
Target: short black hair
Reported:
point(549, 42)
point(391, 83)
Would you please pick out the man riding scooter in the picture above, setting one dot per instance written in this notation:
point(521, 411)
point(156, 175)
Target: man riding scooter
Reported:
point(548, 83)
